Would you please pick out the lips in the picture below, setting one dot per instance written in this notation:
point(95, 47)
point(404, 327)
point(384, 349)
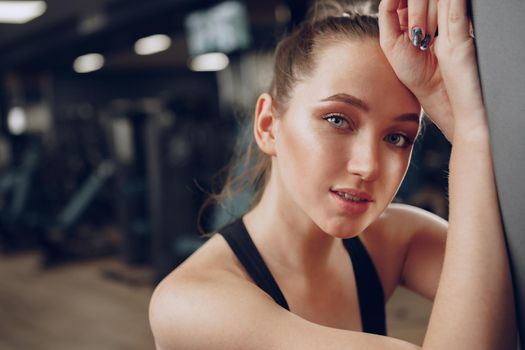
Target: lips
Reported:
point(351, 201)
point(353, 194)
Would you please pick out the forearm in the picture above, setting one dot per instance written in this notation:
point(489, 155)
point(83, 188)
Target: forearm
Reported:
point(474, 305)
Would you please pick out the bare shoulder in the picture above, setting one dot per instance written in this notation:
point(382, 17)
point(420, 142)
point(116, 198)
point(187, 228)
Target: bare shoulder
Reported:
point(196, 311)
point(200, 294)
point(424, 250)
point(389, 238)
point(400, 221)
point(412, 216)
point(219, 309)
point(408, 223)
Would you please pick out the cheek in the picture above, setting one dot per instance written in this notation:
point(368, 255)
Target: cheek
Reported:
point(303, 147)
point(295, 147)
point(394, 171)
point(306, 158)
point(399, 165)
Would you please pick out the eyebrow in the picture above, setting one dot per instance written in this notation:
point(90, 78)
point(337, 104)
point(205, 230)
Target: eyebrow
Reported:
point(348, 99)
point(360, 104)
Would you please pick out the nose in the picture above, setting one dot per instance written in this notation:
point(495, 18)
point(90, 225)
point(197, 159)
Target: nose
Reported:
point(364, 159)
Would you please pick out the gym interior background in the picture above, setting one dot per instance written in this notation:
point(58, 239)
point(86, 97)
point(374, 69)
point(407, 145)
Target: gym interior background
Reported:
point(114, 116)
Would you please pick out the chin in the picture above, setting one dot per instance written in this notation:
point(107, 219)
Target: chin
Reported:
point(342, 228)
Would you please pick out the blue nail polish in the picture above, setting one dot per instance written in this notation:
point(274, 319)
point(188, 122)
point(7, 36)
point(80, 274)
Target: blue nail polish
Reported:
point(425, 42)
point(416, 36)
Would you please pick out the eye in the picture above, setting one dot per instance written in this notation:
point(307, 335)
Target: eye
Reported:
point(399, 140)
point(337, 121)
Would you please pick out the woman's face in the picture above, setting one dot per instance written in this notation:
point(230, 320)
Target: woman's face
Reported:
point(348, 127)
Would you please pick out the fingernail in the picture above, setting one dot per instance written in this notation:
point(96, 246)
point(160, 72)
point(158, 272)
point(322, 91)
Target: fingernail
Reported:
point(416, 36)
point(425, 42)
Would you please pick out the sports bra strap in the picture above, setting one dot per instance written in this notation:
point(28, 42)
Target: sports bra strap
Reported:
point(242, 245)
point(369, 288)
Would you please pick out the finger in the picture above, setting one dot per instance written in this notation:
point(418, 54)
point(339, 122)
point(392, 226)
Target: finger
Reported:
point(403, 18)
point(402, 13)
point(443, 18)
point(431, 24)
point(417, 20)
point(458, 22)
point(389, 29)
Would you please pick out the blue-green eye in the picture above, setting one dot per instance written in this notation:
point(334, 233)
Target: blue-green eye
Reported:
point(399, 140)
point(337, 121)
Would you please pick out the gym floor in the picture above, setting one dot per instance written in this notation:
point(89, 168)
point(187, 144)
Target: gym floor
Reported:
point(102, 304)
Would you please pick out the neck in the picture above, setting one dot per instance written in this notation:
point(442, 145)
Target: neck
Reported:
point(287, 236)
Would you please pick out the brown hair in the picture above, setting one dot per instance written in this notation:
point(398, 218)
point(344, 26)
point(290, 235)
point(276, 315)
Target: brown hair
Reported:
point(295, 58)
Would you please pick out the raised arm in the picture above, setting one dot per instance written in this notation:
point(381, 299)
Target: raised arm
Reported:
point(474, 304)
point(474, 301)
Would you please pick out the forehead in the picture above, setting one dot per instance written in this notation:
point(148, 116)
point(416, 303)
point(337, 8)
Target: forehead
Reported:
point(358, 68)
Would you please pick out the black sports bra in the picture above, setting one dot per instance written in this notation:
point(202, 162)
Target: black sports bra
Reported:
point(369, 289)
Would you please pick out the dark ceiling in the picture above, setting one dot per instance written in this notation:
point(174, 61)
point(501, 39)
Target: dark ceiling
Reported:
point(57, 11)
point(71, 28)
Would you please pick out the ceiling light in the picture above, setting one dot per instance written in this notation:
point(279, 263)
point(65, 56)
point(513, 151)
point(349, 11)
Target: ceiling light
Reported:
point(152, 44)
point(88, 63)
point(20, 12)
point(209, 62)
point(17, 121)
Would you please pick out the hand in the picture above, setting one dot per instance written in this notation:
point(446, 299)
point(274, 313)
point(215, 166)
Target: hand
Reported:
point(416, 66)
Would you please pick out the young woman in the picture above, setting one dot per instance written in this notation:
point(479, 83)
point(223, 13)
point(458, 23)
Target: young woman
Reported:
point(322, 248)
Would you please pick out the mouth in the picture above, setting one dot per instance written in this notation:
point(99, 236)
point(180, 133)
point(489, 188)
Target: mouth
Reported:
point(351, 195)
point(351, 201)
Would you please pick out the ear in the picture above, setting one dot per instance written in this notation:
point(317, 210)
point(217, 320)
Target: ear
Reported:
point(264, 126)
